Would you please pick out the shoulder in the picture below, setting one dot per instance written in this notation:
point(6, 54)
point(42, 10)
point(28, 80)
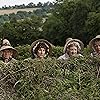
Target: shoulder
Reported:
point(63, 57)
point(80, 55)
point(93, 54)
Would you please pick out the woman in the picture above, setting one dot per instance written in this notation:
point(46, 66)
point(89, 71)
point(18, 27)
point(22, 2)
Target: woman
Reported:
point(94, 44)
point(7, 52)
point(41, 48)
point(72, 47)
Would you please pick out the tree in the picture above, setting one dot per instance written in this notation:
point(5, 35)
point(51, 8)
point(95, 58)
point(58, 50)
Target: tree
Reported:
point(92, 27)
point(39, 4)
point(69, 21)
point(31, 5)
point(23, 31)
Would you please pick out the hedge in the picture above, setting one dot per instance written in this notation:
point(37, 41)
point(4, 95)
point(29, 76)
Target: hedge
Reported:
point(51, 79)
point(24, 52)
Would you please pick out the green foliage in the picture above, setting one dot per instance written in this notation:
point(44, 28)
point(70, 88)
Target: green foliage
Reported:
point(24, 52)
point(73, 18)
point(87, 51)
point(57, 51)
point(68, 20)
point(50, 79)
point(53, 29)
point(56, 22)
point(23, 31)
point(93, 25)
point(8, 77)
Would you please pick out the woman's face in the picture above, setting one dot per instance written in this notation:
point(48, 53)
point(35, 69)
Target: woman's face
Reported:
point(7, 54)
point(97, 46)
point(41, 53)
point(73, 51)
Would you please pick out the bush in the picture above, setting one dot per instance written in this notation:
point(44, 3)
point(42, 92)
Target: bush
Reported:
point(50, 79)
point(24, 52)
point(57, 51)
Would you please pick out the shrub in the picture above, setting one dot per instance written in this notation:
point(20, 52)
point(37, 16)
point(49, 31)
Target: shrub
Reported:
point(51, 79)
point(24, 52)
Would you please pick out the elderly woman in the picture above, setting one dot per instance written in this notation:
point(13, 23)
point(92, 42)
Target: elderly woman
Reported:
point(7, 52)
point(72, 47)
point(41, 48)
point(94, 44)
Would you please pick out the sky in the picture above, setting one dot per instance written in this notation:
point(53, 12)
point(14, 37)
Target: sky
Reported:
point(19, 2)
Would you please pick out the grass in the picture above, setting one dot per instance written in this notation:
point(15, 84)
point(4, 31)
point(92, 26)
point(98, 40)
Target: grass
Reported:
point(9, 11)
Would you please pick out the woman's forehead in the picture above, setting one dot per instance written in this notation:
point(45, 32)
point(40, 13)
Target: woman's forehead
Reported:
point(7, 50)
point(97, 42)
point(42, 48)
point(73, 48)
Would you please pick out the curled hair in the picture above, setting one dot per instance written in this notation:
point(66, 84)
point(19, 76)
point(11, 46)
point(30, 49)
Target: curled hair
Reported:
point(97, 40)
point(40, 45)
point(76, 44)
point(95, 43)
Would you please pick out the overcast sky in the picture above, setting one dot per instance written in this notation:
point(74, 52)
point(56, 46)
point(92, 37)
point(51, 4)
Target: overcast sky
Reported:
point(18, 2)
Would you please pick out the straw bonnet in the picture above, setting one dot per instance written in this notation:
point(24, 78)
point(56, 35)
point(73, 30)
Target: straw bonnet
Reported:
point(91, 43)
point(6, 45)
point(70, 40)
point(37, 42)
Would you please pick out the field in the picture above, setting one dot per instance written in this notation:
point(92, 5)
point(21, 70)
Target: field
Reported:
point(2, 12)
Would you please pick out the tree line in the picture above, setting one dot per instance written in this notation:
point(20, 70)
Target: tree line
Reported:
point(30, 5)
point(42, 10)
point(76, 18)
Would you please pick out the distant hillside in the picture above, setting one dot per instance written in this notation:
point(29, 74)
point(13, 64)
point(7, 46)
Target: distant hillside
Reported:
point(9, 11)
